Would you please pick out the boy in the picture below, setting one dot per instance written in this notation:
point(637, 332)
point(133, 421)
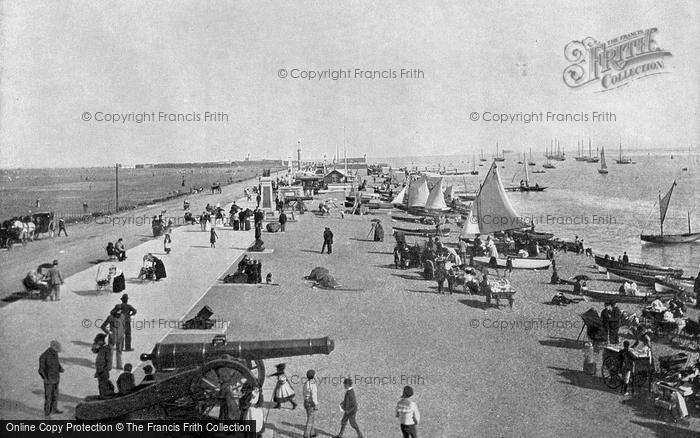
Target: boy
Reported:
point(125, 382)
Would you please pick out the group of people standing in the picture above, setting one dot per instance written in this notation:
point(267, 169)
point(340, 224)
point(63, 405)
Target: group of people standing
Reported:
point(406, 409)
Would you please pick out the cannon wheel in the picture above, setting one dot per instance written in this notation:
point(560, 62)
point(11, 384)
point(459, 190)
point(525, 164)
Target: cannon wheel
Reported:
point(207, 385)
point(611, 373)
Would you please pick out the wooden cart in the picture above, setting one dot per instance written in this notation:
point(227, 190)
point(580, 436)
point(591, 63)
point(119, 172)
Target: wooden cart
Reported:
point(642, 372)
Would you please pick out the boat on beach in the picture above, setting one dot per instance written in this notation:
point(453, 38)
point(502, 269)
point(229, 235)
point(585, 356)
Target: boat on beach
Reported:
point(428, 231)
point(646, 278)
point(622, 266)
point(606, 296)
point(492, 202)
point(532, 235)
point(667, 284)
point(518, 262)
point(662, 238)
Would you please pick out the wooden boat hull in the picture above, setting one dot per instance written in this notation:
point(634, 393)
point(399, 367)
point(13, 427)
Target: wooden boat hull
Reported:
point(426, 220)
point(664, 284)
point(525, 189)
point(663, 270)
point(532, 235)
point(605, 296)
point(671, 238)
point(639, 277)
point(518, 263)
point(423, 231)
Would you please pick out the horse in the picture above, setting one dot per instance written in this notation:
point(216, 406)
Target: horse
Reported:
point(216, 188)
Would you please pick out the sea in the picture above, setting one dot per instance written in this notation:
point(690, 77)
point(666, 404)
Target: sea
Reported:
point(65, 190)
point(608, 211)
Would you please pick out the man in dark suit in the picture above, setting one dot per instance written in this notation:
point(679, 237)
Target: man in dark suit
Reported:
point(128, 311)
point(283, 220)
point(327, 241)
point(349, 407)
point(50, 370)
point(103, 365)
point(55, 282)
point(615, 317)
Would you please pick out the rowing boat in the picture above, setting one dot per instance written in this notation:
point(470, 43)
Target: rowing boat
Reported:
point(518, 263)
point(606, 296)
point(629, 266)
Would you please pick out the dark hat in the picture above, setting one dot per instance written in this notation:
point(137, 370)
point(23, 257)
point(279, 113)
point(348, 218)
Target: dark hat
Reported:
point(128, 367)
point(347, 381)
point(407, 391)
point(310, 374)
point(100, 337)
point(626, 344)
point(281, 366)
point(125, 298)
point(55, 261)
point(148, 369)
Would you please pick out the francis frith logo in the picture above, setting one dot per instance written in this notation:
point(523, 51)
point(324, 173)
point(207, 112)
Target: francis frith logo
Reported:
point(616, 62)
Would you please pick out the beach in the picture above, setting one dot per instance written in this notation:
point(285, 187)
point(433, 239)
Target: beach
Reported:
point(511, 372)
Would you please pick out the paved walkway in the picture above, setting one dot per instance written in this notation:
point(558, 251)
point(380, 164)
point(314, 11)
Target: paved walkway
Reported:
point(27, 326)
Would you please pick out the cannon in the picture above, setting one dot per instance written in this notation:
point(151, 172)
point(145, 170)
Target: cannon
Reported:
point(191, 377)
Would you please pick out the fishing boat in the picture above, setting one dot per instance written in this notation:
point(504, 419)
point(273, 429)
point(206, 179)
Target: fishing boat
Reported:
point(612, 263)
point(425, 220)
point(492, 202)
point(580, 156)
point(481, 156)
point(474, 171)
point(646, 278)
point(518, 262)
point(559, 156)
point(428, 231)
point(621, 159)
point(532, 235)
point(525, 185)
point(499, 157)
point(539, 171)
point(530, 162)
point(591, 158)
point(669, 238)
point(603, 165)
point(607, 296)
point(667, 284)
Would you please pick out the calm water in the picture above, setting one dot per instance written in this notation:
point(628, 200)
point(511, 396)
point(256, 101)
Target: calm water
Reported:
point(608, 211)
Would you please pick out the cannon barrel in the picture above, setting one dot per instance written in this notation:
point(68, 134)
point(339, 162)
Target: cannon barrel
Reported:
point(168, 357)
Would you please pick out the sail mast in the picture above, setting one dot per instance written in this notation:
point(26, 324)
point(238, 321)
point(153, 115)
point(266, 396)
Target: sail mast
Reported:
point(689, 230)
point(661, 215)
point(527, 179)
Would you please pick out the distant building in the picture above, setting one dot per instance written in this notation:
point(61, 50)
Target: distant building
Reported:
point(335, 176)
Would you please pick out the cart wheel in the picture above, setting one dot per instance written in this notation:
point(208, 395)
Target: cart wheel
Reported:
point(206, 389)
point(611, 373)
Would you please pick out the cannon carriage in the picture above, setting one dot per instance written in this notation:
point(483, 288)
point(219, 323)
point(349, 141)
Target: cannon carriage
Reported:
point(198, 378)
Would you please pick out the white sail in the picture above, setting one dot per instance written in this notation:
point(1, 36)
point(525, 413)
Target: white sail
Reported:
point(436, 198)
point(401, 197)
point(491, 210)
point(418, 193)
point(603, 164)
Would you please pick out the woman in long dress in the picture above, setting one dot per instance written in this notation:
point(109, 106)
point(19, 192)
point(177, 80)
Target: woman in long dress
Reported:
point(283, 390)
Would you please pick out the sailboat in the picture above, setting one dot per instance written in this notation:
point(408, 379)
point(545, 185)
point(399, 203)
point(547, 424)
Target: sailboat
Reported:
point(623, 160)
point(525, 185)
point(580, 156)
point(530, 162)
point(603, 165)
point(547, 164)
point(481, 156)
point(669, 238)
point(492, 202)
point(474, 171)
point(499, 157)
point(591, 158)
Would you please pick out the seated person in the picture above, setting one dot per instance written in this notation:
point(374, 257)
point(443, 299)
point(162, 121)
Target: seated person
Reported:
point(110, 250)
point(523, 254)
point(125, 382)
point(561, 300)
point(657, 305)
point(34, 281)
point(148, 375)
point(676, 307)
point(630, 288)
point(580, 286)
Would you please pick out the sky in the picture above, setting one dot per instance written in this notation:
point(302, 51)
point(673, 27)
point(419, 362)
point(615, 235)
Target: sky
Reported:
point(67, 66)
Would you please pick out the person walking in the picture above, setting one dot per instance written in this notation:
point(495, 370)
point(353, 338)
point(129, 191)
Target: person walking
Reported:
point(212, 237)
point(52, 228)
point(114, 327)
point(408, 414)
point(605, 317)
point(258, 231)
point(166, 243)
point(327, 241)
point(62, 227)
point(128, 311)
point(55, 282)
point(283, 220)
point(258, 198)
point(103, 365)
point(283, 390)
point(50, 370)
point(310, 403)
point(349, 407)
